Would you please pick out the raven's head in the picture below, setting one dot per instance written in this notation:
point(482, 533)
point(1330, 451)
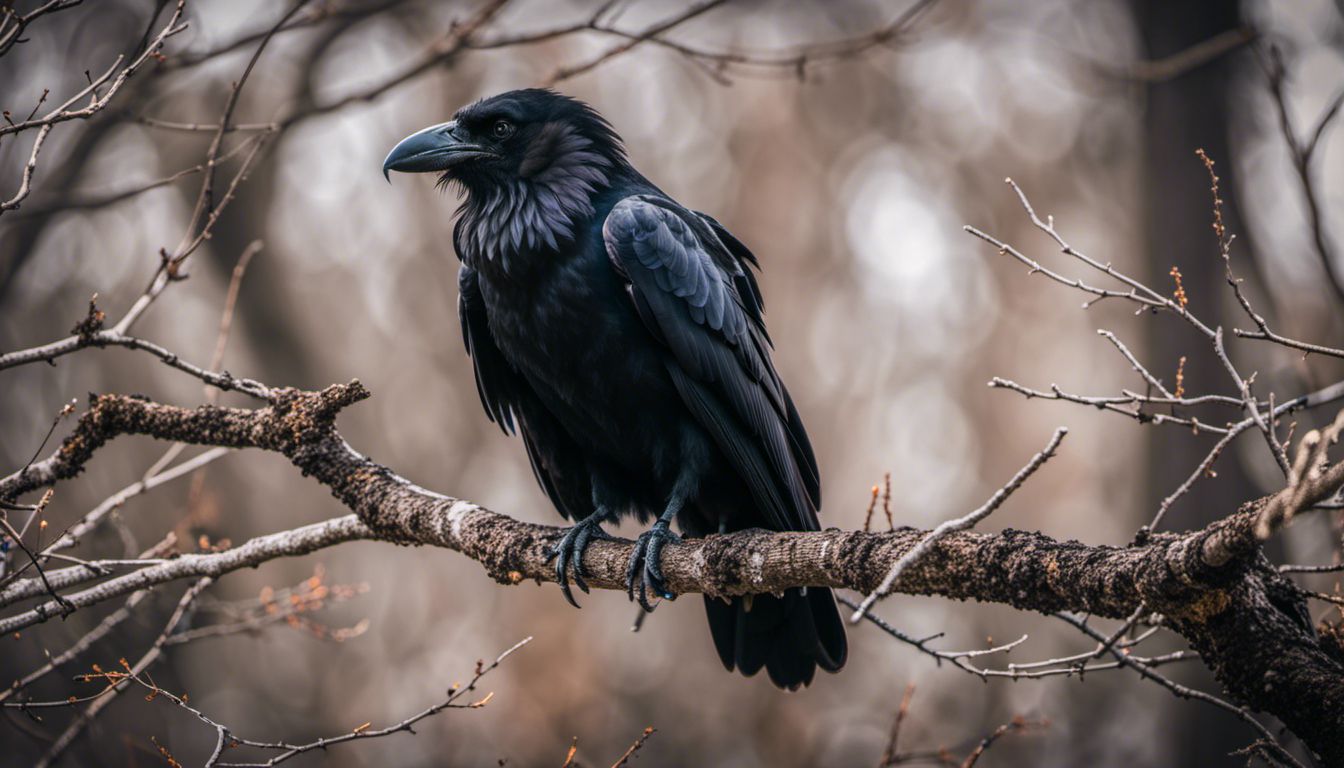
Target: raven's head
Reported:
point(530, 162)
point(528, 135)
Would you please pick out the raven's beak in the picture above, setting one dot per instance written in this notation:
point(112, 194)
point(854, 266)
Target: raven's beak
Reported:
point(436, 148)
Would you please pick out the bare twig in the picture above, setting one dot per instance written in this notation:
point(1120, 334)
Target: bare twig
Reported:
point(1301, 155)
point(651, 33)
point(155, 651)
point(1066, 666)
point(1336, 568)
point(13, 24)
point(624, 759)
point(1116, 404)
point(45, 583)
point(1201, 53)
point(959, 524)
point(93, 201)
point(114, 78)
point(95, 516)
point(85, 642)
point(889, 754)
point(114, 338)
point(1184, 692)
point(1016, 725)
point(288, 751)
point(1310, 480)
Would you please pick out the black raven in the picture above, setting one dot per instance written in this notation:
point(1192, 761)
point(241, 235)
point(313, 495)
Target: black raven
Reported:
point(621, 335)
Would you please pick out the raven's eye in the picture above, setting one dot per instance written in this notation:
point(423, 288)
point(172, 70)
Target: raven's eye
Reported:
point(502, 129)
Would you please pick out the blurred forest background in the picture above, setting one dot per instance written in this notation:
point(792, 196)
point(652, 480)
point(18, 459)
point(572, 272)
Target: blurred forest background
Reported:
point(851, 183)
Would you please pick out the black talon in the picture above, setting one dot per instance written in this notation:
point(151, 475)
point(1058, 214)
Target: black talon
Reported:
point(568, 553)
point(631, 568)
point(646, 562)
point(585, 535)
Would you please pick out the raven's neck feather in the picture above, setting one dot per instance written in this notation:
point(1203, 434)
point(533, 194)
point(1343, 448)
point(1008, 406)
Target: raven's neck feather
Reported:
point(534, 213)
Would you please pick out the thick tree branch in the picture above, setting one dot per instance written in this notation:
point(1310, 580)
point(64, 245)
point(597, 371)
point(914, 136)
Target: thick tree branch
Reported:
point(1243, 617)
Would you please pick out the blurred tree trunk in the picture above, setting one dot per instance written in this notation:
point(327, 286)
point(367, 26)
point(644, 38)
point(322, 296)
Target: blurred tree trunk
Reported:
point(1183, 114)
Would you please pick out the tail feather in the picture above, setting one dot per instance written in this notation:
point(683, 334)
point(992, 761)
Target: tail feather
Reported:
point(788, 636)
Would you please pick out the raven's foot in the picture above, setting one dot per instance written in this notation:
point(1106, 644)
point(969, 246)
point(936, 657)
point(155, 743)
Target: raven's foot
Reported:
point(646, 564)
point(568, 553)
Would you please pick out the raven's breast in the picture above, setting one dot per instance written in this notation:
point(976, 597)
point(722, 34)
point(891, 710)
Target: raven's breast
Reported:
point(570, 330)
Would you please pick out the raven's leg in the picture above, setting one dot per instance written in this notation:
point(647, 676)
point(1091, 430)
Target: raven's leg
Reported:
point(646, 561)
point(568, 552)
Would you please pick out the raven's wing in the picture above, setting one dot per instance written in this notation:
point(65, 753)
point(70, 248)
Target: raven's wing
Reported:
point(754, 303)
point(497, 382)
point(696, 297)
point(510, 402)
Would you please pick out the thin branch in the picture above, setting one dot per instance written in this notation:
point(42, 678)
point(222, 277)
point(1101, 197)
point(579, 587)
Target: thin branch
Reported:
point(309, 17)
point(1310, 479)
point(1336, 568)
point(101, 200)
point(1267, 335)
point(959, 524)
point(1115, 405)
point(1204, 469)
point(1138, 293)
point(1139, 368)
point(226, 316)
point(13, 24)
point(1017, 725)
point(114, 338)
point(299, 541)
point(793, 62)
point(455, 692)
point(1201, 53)
point(42, 581)
point(1225, 250)
point(1182, 691)
point(94, 517)
point(1037, 268)
point(651, 33)
point(1301, 156)
point(624, 759)
point(889, 754)
point(115, 77)
point(84, 643)
point(1067, 666)
point(1249, 402)
point(155, 651)
point(439, 54)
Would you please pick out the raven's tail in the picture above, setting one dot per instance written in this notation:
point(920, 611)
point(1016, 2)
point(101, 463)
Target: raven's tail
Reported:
point(790, 636)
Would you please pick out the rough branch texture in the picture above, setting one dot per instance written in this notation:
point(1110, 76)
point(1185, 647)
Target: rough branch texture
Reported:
point(1249, 626)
